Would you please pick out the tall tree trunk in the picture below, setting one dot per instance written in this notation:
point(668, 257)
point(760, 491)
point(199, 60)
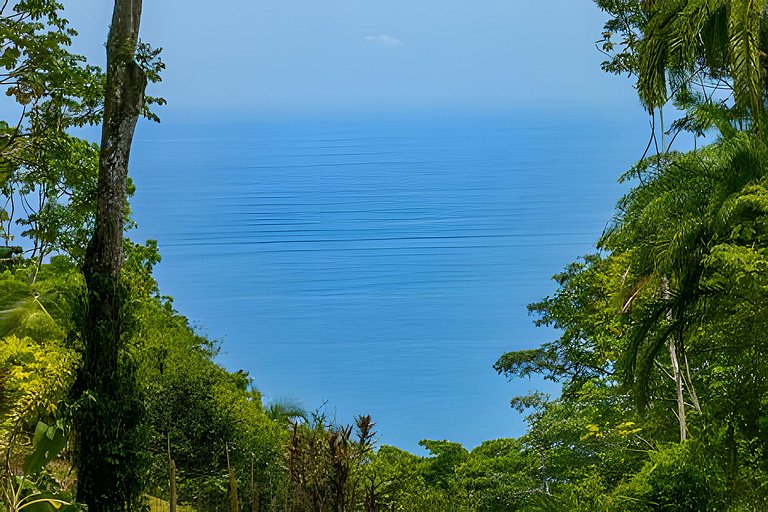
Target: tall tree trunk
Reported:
point(234, 502)
point(109, 469)
point(254, 491)
point(688, 379)
point(676, 372)
point(733, 455)
point(171, 477)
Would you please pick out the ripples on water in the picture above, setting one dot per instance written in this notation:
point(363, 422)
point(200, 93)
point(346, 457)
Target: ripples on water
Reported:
point(381, 266)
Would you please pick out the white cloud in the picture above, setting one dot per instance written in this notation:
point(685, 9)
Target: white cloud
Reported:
point(384, 41)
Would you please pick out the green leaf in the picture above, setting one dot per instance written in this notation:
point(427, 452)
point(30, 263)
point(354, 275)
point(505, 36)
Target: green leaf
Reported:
point(47, 502)
point(47, 443)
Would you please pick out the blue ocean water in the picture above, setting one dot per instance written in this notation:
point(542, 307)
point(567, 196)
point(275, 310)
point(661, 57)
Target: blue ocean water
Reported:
point(381, 263)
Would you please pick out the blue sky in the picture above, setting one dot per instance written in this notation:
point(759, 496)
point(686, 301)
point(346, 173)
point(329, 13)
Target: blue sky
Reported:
point(353, 55)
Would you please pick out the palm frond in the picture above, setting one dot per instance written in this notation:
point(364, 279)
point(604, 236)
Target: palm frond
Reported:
point(286, 409)
point(745, 55)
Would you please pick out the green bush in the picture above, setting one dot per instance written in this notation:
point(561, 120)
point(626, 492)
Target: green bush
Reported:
point(676, 478)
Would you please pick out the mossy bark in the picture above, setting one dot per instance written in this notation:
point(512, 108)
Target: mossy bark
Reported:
point(109, 419)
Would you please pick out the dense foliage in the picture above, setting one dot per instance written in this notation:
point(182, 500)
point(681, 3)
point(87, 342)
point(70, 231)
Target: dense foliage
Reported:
point(663, 342)
point(661, 351)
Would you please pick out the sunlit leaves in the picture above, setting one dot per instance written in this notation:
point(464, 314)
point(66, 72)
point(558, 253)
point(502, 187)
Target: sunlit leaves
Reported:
point(747, 53)
point(714, 50)
point(36, 377)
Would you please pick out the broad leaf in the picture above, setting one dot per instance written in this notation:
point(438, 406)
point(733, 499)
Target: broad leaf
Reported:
point(48, 442)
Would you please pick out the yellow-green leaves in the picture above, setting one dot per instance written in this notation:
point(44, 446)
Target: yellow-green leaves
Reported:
point(593, 431)
point(623, 430)
point(627, 428)
point(43, 504)
point(36, 377)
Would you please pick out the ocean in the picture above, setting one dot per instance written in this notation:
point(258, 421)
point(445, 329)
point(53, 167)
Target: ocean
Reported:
point(379, 264)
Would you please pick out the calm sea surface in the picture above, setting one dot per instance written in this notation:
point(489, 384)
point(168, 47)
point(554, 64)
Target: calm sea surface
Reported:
point(381, 264)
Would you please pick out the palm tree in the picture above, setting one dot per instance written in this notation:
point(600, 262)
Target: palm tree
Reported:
point(669, 226)
point(659, 227)
point(716, 45)
point(286, 410)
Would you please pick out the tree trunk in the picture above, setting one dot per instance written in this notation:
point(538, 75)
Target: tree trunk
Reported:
point(679, 387)
point(171, 478)
point(688, 380)
point(108, 472)
point(676, 373)
point(254, 491)
point(733, 456)
point(234, 503)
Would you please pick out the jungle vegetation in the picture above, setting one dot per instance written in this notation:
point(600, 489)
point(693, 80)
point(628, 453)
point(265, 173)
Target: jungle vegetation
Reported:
point(111, 401)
